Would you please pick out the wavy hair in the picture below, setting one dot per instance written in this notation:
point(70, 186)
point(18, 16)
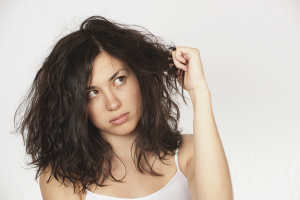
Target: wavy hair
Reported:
point(53, 117)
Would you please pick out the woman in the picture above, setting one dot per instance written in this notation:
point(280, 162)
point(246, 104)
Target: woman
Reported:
point(100, 122)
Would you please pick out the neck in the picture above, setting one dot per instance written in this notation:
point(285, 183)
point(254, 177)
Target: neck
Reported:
point(122, 145)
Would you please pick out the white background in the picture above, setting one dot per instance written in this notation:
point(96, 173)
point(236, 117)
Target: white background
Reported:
point(250, 51)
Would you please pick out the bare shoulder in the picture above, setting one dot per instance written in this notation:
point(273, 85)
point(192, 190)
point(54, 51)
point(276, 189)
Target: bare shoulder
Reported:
point(185, 152)
point(54, 190)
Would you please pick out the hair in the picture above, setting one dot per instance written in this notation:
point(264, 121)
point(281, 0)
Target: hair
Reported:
point(53, 117)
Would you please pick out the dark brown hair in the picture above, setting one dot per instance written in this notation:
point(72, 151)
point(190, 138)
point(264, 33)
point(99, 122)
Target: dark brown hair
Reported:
point(53, 118)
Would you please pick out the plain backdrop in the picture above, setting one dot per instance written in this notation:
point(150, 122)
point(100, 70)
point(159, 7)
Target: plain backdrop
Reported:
point(250, 51)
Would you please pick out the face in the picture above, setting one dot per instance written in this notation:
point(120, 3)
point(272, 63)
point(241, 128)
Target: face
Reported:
point(114, 90)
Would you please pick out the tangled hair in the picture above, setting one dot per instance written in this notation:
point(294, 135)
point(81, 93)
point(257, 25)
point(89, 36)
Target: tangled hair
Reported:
point(53, 118)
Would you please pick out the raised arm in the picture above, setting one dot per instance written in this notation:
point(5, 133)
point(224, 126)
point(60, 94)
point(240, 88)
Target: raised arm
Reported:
point(207, 169)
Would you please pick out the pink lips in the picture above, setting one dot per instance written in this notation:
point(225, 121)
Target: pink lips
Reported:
point(120, 119)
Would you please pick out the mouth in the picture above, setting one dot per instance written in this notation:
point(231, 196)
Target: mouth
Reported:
point(119, 119)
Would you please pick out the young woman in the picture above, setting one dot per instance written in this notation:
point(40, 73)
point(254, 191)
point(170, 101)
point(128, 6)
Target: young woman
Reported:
point(100, 122)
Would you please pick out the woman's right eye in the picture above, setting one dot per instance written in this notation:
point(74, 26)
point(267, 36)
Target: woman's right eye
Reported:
point(93, 93)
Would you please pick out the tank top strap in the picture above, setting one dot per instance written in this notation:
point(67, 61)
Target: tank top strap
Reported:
point(176, 159)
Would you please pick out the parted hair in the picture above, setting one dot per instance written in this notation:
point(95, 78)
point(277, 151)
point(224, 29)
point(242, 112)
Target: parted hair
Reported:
point(53, 116)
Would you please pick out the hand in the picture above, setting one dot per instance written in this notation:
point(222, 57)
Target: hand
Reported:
point(188, 59)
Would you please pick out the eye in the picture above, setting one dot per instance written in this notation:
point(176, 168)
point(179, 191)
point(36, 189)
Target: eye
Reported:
point(121, 80)
point(93, 93)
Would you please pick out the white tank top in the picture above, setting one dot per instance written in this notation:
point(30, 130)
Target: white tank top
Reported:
point(175, 189)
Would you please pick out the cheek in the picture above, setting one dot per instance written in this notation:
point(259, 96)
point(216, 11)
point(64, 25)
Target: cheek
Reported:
point(132, 98)
point(137, 96)
point(94, 114)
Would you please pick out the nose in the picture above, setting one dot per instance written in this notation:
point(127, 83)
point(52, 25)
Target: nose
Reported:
point(112, 101)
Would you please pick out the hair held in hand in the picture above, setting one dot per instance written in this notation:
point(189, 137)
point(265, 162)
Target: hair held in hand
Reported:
point(53, 118)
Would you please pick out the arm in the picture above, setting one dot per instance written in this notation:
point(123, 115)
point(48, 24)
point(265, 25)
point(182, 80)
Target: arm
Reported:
point(207, 168)
point(211, 168)
point(53, 190)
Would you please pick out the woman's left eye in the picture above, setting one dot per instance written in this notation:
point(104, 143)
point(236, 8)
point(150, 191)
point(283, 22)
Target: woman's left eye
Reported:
point(121, 80)
point(92, 93)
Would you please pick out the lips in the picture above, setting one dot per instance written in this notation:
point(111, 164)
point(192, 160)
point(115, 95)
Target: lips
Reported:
point(117, 117)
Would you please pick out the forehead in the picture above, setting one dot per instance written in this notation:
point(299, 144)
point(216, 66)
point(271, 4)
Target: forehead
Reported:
point(105, 66)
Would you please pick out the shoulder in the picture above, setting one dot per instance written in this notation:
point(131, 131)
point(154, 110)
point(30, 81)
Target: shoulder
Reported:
point(54, 190)
point(185, 152)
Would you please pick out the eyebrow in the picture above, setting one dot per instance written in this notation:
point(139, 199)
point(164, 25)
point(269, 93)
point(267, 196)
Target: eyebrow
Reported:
point(115, 74)
point(110, 79)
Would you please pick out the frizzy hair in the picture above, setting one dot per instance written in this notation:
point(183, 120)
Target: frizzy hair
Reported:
point(53, 118)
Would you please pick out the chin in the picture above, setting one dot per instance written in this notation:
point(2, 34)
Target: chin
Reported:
point(126, 129)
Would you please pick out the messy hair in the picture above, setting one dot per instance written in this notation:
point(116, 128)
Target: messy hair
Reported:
point(53, 117)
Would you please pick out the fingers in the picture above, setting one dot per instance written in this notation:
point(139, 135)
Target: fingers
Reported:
point(171, 64)
point(187, 52)
point(180, 57)
point(179, 60)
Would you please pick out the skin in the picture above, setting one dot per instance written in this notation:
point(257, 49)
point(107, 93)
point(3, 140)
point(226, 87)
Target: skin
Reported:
point(201, 157)
point(111, 98)
point(207, 168)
